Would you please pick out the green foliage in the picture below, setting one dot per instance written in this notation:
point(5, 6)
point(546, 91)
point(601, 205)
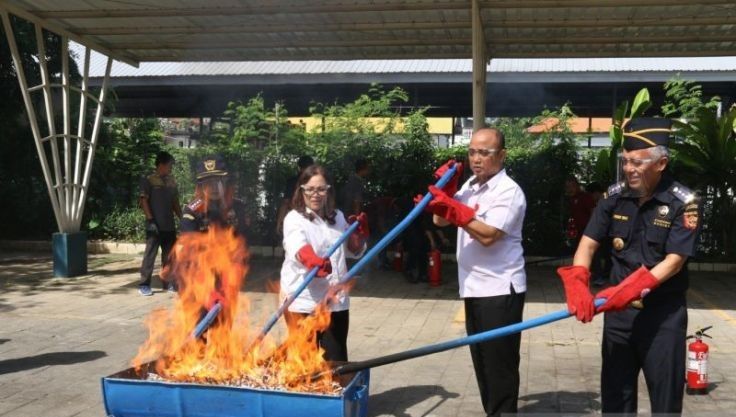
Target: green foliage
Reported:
point(706, 160)
point(541, 170)
point(683, 99)
point(119, 224)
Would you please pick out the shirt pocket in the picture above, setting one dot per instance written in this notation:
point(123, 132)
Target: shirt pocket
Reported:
point(656, 239)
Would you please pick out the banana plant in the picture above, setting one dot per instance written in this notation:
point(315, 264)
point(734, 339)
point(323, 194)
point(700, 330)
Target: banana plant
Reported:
point(607, 161)
point(707, 153)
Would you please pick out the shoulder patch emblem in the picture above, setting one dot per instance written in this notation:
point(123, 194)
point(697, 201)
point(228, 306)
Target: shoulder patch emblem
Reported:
point(691, 216)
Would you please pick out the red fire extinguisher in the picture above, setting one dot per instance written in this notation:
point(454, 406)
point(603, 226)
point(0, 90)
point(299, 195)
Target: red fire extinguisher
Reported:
point(697, 364)
point(435, 268)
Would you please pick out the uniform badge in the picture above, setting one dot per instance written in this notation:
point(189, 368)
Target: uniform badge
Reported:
point(210, 164)
point(618, 243)
point(663, 211)
point(691, 216)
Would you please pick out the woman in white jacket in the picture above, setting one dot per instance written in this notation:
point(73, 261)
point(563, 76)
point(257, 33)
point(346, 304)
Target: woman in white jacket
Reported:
point(310, 228)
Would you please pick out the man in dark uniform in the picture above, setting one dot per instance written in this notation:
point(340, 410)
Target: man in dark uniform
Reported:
point(159, 199)
point(652, 223)
point(214, 200)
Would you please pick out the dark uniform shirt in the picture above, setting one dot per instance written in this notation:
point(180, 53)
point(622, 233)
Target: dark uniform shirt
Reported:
point(643, 235)
point(162, 195)
point(195, 218)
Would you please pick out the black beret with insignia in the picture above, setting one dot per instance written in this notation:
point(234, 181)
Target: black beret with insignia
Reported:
point(211, 166)
point(646, 132)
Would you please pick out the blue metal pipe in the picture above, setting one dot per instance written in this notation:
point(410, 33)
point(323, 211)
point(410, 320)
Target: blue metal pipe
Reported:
point(455, 343)
point(393, 233)
point(206, 320)
point(212, 313)
point(307, 279)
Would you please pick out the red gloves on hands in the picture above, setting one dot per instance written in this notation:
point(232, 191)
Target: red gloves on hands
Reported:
point(579, 299)
point(309, 258)
point(634, 287)
point(451, 187)
point(448, 208)
point(363, 231)
point(360, 235)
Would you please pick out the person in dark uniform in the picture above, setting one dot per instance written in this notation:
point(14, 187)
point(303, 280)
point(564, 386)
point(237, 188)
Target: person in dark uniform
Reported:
point(159, 199)
point(652, 223)
point(214, 200)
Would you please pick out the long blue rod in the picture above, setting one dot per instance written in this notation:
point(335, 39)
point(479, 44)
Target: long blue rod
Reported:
point(455, 343)
point(307, 279)
point(391, 235)
point(206, 320)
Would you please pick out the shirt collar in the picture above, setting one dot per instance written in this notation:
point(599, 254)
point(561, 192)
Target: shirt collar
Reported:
point(492, 182)
point(661, 192)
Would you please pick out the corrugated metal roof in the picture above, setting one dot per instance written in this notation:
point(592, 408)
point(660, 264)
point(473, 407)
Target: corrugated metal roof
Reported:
point(549, 65)
point(310, 30)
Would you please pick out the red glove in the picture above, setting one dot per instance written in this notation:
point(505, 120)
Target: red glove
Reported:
point(309, 258)
point(579, 299)
point(363, 231)
point(634, 287)
point(448, 208)
point(451, 187)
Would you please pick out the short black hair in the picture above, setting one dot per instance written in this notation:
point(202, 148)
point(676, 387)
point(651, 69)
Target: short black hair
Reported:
point(164, 157)
point(304, 161)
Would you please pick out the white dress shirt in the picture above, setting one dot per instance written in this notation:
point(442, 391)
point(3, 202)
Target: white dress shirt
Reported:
point(490, 271)
point(298, 231)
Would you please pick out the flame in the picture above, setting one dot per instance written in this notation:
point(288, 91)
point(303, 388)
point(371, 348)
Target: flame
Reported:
point(210, 267)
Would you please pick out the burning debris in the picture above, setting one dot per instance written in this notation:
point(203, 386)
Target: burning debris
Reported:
point(209, 269)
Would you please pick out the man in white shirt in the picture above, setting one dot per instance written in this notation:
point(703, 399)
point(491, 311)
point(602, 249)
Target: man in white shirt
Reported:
point(489, 212)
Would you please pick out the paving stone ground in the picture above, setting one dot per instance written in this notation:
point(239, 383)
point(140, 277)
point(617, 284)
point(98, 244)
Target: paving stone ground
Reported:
point(58, 337)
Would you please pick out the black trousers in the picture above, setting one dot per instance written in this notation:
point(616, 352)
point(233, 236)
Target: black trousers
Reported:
point(165, 240)
point(334, 340)
point(651, 340)
point(496, 362)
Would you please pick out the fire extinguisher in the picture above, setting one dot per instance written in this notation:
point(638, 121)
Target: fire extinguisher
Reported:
point(435, 268)
point(398, 259)
point(697, 364)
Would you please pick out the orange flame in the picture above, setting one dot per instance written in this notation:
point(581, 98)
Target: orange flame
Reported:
point(208, 267)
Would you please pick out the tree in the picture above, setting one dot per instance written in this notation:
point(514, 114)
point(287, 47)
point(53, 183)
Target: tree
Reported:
point(706, 159)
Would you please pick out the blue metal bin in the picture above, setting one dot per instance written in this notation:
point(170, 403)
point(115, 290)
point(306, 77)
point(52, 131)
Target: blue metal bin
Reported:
point(127, 394)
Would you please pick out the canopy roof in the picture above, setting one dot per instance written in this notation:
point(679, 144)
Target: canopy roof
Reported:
point(271, 30)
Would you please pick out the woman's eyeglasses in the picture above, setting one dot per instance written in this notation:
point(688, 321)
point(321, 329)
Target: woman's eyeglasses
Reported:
point(315, 190)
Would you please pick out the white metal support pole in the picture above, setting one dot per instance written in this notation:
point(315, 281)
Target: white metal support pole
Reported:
point(479, 68)
point(93, 142)
point(32, 120)
point(46, 83)
point(68, 180)
point(68, 187)
point(80, 134)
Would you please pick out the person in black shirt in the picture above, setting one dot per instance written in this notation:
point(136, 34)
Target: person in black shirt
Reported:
point(652, 223)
